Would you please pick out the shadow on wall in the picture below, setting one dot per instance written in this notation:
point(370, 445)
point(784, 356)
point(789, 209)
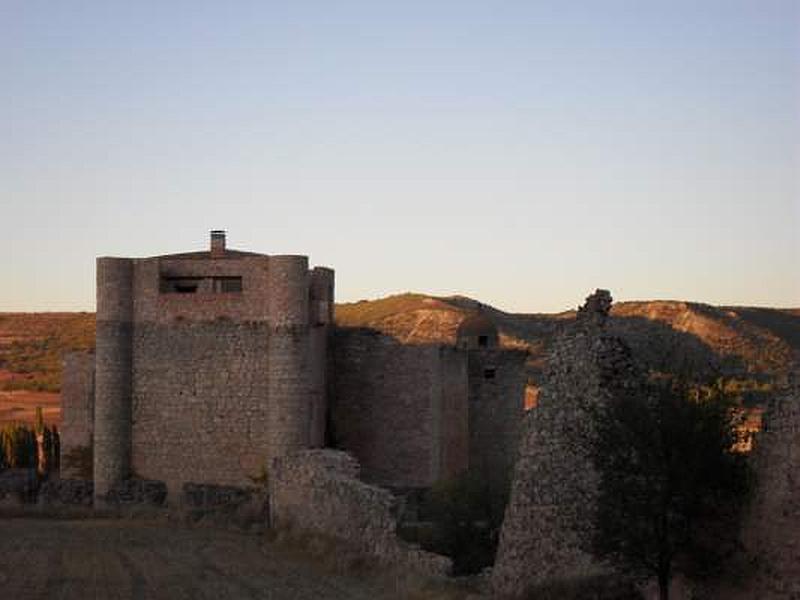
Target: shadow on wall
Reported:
point(400, 408)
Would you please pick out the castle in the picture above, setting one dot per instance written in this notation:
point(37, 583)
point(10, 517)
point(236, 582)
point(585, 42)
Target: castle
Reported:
point(210, 364)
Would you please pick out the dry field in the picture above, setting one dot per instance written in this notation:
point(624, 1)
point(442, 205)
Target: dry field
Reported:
point(19, 406)
point(108, 559)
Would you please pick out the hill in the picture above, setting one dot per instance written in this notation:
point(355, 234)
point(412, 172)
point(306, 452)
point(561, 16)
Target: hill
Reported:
point(31, 346)
point(755, 344)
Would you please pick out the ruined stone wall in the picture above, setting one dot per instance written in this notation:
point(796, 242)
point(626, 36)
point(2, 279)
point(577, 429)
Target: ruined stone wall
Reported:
point(77, 409)
point(772, 531)
point(554, 485)
point(389, 407)
point(318, 491)
point(497, 380)
point(200, 402)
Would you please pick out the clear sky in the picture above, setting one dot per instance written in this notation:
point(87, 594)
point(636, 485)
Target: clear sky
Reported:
point(523, 153)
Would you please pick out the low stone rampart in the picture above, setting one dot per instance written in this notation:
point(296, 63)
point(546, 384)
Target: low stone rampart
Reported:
point(18, 486)
point(66, 492)
point(139, 492)
point(317, 491)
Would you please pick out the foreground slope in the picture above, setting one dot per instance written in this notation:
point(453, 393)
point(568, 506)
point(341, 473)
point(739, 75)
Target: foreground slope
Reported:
point(106, 558)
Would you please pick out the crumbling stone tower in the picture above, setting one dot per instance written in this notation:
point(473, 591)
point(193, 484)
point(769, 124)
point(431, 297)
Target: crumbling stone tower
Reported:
point(550, 513)
point(772, 530)
point(208, 364)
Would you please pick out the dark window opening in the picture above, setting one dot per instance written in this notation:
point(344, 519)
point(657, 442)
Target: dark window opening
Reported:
point(489, 373)
point(204, 285)
point(180, 285)
point(483, 341)
point(227, 284)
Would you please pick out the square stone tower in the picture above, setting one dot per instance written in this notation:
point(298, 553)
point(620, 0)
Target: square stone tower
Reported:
point(208, 364)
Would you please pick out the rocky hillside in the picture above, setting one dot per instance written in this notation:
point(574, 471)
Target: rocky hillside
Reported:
point(755, 344)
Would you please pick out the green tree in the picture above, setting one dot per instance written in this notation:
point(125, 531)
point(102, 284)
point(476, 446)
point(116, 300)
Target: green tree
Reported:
point(668, 470)
point(466, 514)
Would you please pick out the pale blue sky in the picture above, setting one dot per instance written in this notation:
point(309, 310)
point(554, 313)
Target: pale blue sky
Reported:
point(522, 153)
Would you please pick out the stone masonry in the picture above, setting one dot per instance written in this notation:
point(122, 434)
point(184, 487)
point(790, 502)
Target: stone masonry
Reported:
point(207, 364)
point(554, 484)
point(77, 407)
point(318, 491)
point(400, 409)
point(497, 384)
point(772, 531)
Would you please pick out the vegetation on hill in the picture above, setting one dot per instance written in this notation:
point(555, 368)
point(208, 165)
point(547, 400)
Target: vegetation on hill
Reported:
point(32, 345)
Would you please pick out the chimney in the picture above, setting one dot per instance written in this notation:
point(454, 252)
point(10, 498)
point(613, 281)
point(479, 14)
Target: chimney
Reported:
point(217, 243)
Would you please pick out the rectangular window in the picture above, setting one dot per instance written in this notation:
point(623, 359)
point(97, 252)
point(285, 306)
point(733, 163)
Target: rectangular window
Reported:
point(200, 285)
point(488, 373)
point(227, 284)
point(483, 341)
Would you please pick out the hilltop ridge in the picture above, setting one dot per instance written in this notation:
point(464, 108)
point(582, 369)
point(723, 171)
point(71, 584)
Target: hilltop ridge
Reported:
point(758, 341)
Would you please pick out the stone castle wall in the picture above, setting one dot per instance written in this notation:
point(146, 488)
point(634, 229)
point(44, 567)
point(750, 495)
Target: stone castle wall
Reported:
point(772, 531)
point(400, 409)
point(497, 381)
point(454, 418)
point(250, 304)
point(550, 512)
point(200, 402)
point(208, 384)
point(318, 491)
point(77, 409)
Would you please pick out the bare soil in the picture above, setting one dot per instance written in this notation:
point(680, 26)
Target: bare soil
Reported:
point(122, 559)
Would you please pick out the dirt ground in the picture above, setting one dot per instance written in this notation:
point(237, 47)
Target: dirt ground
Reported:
point(107, 559)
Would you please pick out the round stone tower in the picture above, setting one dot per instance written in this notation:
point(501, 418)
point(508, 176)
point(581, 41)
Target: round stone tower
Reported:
point(289, 412)
point(320, 324)
point(113, 378)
